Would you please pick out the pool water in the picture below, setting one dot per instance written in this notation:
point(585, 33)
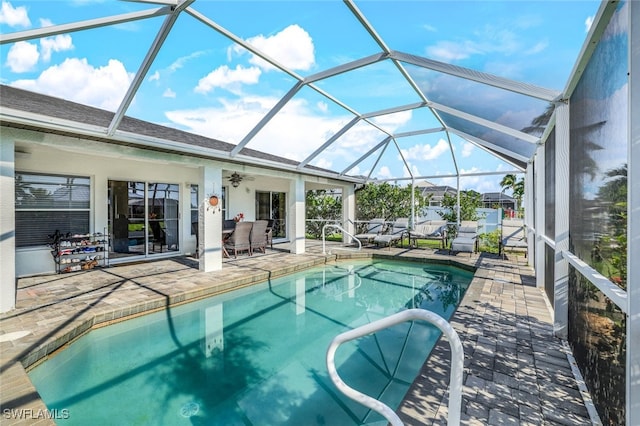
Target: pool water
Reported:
point(256, 356)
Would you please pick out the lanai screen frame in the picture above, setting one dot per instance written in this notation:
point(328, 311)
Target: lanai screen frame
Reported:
point(171, 10)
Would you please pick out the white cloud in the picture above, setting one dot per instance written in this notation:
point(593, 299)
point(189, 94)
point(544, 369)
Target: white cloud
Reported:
point(450, 51)
point(292, 47)
point(175, 66)
point(324, 163)
point(76, 80)
point(414, 171)
point(230, 79)
point(391, 122)
point(179, 63)
point(14, 17)
point(355, 171)
point(169, 94)
point(587, 24)
point(482, 184)
point(384, 173)
point(294, 133)
point(487, 40)
point(467, 149)
point(430, 28)
point(426, 151)
point(22, 57)
point(537, 48)
point(322, 106)
point(58, 43)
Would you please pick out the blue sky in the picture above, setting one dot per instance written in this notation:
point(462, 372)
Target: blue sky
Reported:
point(202, 82)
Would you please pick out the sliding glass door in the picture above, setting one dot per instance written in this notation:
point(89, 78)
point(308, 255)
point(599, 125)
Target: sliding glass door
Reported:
point(273, 206)
point(143, 218)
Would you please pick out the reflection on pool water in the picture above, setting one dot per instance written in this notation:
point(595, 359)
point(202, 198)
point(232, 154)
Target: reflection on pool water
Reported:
point(257, 355)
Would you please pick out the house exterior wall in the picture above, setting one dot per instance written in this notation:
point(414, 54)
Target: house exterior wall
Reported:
point(40, 152)
point(7, 220)
point(100, 167)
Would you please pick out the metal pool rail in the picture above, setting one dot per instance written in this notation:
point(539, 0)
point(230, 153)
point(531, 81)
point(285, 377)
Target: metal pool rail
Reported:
point(344, 231)
point(457, 361)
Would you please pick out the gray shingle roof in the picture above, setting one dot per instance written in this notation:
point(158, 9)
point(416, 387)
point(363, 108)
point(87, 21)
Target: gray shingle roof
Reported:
point(36, 103)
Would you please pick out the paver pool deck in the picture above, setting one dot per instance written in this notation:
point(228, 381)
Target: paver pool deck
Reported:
point(516, 372)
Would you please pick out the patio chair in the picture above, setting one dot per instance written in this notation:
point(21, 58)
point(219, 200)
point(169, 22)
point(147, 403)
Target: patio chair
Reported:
point(397, 232)
point(466, 239)
point(374, 228)
point(239, 239)
point(513, 236)
point(258, 236)
point(429, 230)
point(159, 235)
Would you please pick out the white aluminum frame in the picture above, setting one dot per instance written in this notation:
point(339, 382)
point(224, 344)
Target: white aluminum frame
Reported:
point(633, 223)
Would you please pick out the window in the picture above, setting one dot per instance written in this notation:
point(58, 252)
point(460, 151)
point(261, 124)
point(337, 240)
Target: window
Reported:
point(195, 203)
point(46, 203)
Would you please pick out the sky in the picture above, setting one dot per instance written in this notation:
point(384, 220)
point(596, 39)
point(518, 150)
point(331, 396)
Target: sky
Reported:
point(203, 82)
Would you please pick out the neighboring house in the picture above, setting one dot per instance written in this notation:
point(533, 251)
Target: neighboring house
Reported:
point(493, 200)
point(436, 192)
point(62, 171)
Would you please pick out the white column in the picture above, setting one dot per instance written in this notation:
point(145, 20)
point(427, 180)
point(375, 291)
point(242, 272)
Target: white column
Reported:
point(210, 221)
point(561, 269)
point(296, 216)
point(348, 211)
point(536, 242)
point(530, 196)
point(633, 222)
point(7, 225)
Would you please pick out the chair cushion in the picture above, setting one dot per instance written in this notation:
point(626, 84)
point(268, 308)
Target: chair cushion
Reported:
point(467, 230)
point(427, 230)
point(463, 244)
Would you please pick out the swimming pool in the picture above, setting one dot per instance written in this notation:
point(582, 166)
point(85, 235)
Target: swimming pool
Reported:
point(256, 355)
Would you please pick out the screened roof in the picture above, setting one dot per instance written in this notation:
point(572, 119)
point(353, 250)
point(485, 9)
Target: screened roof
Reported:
point(369, 90)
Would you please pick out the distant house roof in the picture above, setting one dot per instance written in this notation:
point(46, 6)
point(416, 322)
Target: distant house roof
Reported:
point(437, 190)
point(497, 197)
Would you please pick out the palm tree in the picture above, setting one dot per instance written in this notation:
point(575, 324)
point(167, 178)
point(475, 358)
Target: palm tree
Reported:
point(511, 182)
point(508, 181)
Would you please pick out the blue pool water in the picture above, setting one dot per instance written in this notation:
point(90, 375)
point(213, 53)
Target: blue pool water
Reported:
point(256, 356)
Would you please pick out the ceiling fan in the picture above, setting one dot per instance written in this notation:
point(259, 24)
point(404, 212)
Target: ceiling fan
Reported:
point(236, 178)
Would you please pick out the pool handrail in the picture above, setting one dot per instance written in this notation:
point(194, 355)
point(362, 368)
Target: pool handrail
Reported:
point(344, 231)
point(457, 362)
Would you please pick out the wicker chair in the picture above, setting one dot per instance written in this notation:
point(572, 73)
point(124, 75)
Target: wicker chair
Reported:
point(239, 239)
point(259, 236)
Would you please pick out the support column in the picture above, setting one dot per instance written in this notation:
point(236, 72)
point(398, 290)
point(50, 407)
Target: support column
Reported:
point(536, 242)
point(348, 211)
point(210, 221)
point(296, 216)
point(633, 222)
point(561, 269)
point(530, 215)
point(7, 225)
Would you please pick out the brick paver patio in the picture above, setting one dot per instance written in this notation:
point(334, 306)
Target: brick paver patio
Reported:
point(516, 372)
